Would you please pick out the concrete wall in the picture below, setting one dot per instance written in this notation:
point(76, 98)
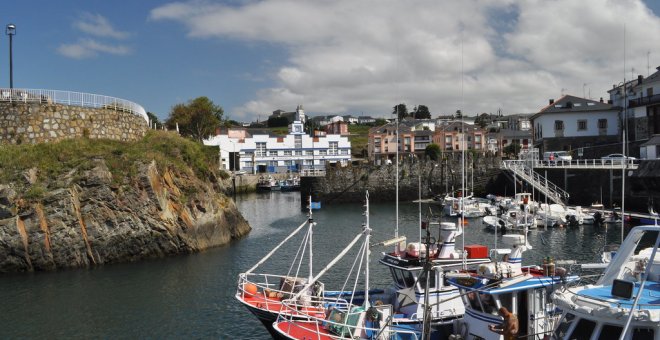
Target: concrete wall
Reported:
point(41, 123)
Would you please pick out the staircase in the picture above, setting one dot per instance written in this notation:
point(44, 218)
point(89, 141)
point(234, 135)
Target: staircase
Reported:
point(540, 183)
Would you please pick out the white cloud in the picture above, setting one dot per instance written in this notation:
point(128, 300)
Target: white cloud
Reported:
point(479, 55)
point(97, 25)
point(86, 48)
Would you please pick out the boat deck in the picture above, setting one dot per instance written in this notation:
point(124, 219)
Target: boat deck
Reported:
point(304, 330)
point(274, 306)
point(650, 298)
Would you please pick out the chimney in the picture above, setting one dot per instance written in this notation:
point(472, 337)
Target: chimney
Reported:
point(551, 101)
point(639, 79)
point(601, 99)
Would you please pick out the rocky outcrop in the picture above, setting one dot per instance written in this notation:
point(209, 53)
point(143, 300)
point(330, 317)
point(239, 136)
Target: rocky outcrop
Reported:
point(90, 220)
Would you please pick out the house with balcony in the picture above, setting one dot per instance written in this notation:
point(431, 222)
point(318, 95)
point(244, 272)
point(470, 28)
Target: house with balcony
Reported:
point(572, 122)
point(640, 104)
point(459, 136)
point(382, 142)
point(506, 130)
point(256, 151)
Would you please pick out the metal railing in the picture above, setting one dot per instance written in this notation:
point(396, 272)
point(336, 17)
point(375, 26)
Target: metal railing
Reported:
point(539, 182)
point(588, 164)
point(71, 98)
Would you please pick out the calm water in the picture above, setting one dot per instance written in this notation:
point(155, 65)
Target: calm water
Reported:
point(192, 296)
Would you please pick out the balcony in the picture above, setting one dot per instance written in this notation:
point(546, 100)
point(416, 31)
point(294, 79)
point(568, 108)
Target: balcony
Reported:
point(644, 101)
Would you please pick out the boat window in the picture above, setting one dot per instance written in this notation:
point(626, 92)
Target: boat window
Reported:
point(398, 278)
point(583, 330)
point(505, 301)
point(408, 278)
point(422, 280)
point(564, 325)
point(489, 303)
point(643, 334)
point(610, 332)
point(474, 301)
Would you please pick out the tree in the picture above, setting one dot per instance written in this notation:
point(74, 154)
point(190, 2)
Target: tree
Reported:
point(432, 151)
point(278, 121)
point(482, 120)
point(512, 149)
point(458, 114)
point(153, 119)
point(380, 122)
point(422, 112)
point(198, 119)
point(400, 109)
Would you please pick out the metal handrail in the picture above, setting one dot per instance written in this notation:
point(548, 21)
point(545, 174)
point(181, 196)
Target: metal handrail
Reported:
point(548, 188)
point(71, 98)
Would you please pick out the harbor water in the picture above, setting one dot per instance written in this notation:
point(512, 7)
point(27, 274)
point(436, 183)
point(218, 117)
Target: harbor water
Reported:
point(192, 296)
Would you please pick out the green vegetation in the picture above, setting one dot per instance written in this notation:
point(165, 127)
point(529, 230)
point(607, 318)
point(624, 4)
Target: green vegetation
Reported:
point(433, 151)
point(197, 119)
point(122, 158)
point(359, 139)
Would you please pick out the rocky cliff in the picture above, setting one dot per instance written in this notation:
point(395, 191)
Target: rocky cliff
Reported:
point(84, 218)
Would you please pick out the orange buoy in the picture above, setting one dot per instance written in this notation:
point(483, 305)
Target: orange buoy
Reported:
point(250, 289)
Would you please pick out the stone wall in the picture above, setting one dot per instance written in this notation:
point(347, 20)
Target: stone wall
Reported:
point(348, 184)
point(43, 122)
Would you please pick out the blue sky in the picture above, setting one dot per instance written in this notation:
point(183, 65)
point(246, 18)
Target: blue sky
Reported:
point(334, 57)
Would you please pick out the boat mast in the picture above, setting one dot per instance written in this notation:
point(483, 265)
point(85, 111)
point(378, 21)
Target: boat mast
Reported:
point(396, 229)
point(367, 232)
point(623, 139)
point(311, 225)
point(462, 218)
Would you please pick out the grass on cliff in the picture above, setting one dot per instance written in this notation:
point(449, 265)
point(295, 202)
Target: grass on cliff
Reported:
point(122, 158)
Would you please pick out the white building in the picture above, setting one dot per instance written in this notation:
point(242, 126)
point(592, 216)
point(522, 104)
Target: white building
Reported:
point(650, 149)
point(572, 122)
point(262, 152)
point(641, 101)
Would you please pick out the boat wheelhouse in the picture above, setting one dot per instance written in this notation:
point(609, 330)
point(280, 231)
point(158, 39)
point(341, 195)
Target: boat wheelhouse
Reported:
point(625, 302)
point(410, 291)
point(522, 290)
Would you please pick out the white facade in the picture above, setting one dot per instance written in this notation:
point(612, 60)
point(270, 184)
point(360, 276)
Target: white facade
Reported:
point(578, 124)
point(293, 152)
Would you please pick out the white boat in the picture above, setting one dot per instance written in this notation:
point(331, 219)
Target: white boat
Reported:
point(624, 303)
point(496, 223)
point(521, 290)
point(520, 220)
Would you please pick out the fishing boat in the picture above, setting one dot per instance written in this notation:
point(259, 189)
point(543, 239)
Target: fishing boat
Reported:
point(262, 293)
point(496, 223)
point(625, 302)
point(363, 320)
point(409, 294)
point(522, 290)
point(267, 183)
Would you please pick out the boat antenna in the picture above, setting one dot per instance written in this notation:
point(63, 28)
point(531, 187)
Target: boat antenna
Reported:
point(428, 270)
point(623, 139)
point(311, 222)
point(462, 201)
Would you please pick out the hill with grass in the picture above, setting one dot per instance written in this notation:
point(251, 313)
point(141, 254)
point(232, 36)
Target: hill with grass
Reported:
point(83, 202)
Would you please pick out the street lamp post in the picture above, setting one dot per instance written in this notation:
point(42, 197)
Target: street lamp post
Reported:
point(11, 31)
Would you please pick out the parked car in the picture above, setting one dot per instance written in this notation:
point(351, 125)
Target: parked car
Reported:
point(616, 158)
point(557, 156)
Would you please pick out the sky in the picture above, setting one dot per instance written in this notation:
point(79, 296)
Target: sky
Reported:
point(359, 57)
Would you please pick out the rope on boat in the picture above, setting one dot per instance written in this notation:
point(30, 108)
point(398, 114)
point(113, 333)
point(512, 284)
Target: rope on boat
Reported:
point(276, 248)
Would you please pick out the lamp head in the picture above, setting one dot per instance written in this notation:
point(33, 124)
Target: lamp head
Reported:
point(10, 29)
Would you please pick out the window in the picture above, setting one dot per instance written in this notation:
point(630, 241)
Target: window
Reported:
point(643, 334)
point(602, 123)
point(649, 91)
point(559, 125)
point(309, 152)
point(288, 153)
point(610, 332)
point(298, 153)
point(422, 280)
point(582, 125)
point(298, 142)
point(323, 152)
point(261, 150)
point(564, 325)
point(583, 330)
point(333, 148)
point(477, 138)
point(344, 152)
point(272, 153)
